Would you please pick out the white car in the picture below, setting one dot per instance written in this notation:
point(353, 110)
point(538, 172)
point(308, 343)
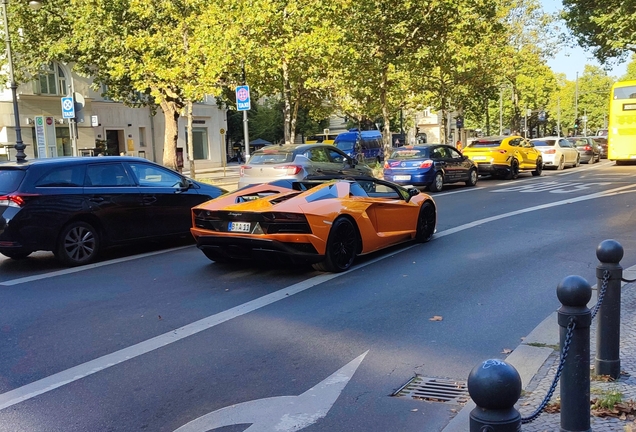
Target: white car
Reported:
point(557, 152)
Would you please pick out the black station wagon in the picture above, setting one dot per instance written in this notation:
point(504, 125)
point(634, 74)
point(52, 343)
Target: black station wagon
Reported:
point(76, 207)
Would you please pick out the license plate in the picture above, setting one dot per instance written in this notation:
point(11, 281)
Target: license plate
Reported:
point(239, 227)
point(401, 177)
point(479, 158)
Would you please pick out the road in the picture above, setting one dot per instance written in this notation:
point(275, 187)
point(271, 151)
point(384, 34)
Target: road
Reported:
point(165, 340)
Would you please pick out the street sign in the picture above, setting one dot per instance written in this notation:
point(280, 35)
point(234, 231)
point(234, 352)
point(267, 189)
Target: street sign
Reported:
point(541, 116)
point(222, 131)
point(243, 98)
point(68, 107)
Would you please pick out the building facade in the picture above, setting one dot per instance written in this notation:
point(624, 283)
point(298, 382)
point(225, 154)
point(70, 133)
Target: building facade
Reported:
point(103, 126)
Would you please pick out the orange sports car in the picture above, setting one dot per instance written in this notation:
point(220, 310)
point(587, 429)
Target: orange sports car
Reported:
point(323, 221)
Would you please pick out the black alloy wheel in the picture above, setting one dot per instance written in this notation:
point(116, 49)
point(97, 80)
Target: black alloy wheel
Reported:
point(539, 169)
point(78, 244)
point(438, 182)
point(342, 247)
point(514, 170)
point(426, 223)
point(472, 177)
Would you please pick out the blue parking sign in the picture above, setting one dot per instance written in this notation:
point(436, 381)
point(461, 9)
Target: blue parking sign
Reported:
point(243, 98)
point(68, 107)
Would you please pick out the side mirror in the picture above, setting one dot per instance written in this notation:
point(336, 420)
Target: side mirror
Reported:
point(351, 162)
point(412, 192)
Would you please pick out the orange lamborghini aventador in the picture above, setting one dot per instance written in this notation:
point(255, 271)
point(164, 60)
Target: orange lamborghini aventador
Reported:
point(325, 221)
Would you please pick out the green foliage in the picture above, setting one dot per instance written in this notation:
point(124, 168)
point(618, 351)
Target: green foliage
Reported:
point(631, 70)
point(607, 27)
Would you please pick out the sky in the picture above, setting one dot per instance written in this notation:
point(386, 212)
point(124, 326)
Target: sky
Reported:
point(572, 60)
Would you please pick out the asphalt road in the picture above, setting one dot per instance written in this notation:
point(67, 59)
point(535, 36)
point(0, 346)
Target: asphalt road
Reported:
point(163, 340)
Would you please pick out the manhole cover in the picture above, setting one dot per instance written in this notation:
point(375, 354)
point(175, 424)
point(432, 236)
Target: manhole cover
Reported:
point(435, 390)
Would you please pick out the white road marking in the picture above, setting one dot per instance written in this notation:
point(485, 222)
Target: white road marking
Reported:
point(281, 413)
point(552, 187)
point(456, 192)
point(86, 267)
point(75, 373)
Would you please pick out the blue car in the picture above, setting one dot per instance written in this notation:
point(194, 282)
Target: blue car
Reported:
point(429, 165)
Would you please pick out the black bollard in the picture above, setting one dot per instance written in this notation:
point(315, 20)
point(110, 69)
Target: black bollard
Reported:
point(495, 387)
point(574, 293)
point(608, 324)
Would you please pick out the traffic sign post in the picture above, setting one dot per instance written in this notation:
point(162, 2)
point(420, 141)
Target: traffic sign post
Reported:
point(243, 104)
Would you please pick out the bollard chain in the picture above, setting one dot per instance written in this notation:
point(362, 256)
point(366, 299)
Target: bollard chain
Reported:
point(557, 376)
point(601, 293)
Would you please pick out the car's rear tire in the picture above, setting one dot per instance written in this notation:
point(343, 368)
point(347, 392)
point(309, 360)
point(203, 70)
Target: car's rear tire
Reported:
point(539, 169)
point(513, 173)
point(16, 255)
point(578, 161)
point(342, 247)
point(78, 244)
point(438, 182)
point(561, 164)
point(426, 223)
point(472, 177)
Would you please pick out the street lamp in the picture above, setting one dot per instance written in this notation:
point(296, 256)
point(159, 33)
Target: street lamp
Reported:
point(19, 145)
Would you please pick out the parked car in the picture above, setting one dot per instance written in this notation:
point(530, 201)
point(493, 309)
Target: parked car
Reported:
point(297, 161)
point(363, 146)
point(77, 206)
point(505, 156)
point(588, 149)
point(557, 152)
point(602, 146)
point(324, 221)
point(430, 165)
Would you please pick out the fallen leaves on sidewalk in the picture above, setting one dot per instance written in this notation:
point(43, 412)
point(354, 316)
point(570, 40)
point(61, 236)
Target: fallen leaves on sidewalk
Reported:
point(436, 318)
point(622, 410)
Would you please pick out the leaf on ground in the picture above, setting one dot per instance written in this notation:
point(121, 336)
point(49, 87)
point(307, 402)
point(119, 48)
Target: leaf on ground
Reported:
point(436, 318)
point(506, 351)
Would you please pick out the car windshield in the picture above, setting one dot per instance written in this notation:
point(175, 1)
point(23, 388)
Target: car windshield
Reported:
point(543, 143)
point(404, 154)
point(578, 142)
point(484, 143)
point(271, 156)
point(10, 179)
point(345, 145)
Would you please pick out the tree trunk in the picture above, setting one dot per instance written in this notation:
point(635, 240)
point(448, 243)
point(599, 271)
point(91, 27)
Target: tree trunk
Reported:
point(171, 132)
point(287, 131)
point(487, 119)
point(190, 147)
point(386, 139)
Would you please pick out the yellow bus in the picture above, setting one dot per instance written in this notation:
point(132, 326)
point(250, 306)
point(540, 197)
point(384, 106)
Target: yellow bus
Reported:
point(321, 138)
point(621, 132)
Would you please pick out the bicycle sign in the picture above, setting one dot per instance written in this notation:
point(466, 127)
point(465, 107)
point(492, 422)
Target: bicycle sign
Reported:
point(68, 107)
point(243, 98)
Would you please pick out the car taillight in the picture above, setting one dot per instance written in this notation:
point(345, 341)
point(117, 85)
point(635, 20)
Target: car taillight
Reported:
point(12, 200)
point(588, 148)
point(386, 165)
point(550, 151)
point(291, 169)
point(426, 164)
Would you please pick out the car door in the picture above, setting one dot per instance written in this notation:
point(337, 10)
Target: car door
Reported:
point(320, 164)
point(570, 153)
point(167, 198)
point(458, 163)
point(530, 154)
point(393, 214)
point(342, 164)
point(114, 198)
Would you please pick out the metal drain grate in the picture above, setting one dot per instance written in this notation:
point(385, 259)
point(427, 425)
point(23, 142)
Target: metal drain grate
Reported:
point(435, 390)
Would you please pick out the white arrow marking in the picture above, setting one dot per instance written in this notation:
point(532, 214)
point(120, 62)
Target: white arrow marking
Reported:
point(282, 413)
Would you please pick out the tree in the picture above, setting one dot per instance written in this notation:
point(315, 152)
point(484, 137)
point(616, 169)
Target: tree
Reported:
point(174, 53)
point(631, 70)
point(606, 27)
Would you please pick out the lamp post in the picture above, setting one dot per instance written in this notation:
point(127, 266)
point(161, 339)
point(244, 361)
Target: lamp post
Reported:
point(19, 145)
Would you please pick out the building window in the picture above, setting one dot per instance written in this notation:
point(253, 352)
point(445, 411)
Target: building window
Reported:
point(52, 80)
point(142, 137)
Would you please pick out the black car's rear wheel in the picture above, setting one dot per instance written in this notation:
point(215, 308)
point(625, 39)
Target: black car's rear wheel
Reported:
point(438, 182)
point(78, 244)
point(426, 223)
point(472, 177)
point(342, 247)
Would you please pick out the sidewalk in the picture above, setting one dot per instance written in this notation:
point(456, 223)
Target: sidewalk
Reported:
point(536, 360)
point(226, 177)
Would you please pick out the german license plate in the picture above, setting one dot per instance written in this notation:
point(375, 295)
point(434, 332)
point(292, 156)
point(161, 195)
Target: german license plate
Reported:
point(479, 158)
point(401, 177)
point(239, 227)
